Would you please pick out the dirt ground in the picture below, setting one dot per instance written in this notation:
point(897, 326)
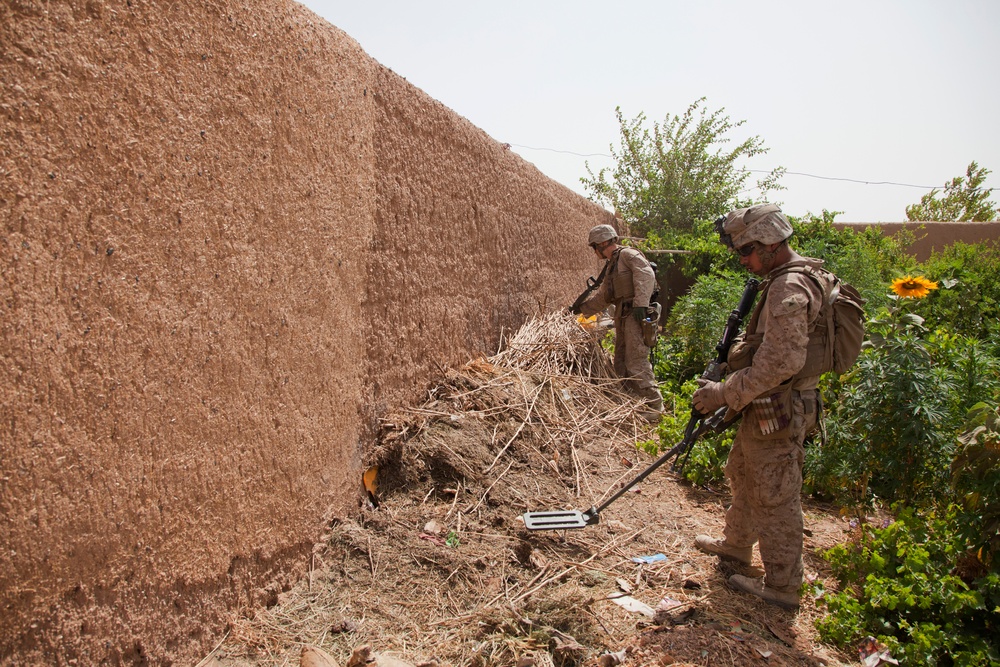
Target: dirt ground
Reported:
point(440, 570)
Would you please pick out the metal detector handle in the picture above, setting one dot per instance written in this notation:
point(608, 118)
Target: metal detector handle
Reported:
point(716, 424)
point(695, 429)
point(645, 473)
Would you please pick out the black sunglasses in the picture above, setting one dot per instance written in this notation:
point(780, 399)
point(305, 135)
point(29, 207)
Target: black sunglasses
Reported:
point(745, 250)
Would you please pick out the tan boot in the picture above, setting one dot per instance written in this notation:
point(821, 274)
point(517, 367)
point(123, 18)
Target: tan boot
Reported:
point(652, 408)
point(651, 416)
point(710, 545)
point(783, 599)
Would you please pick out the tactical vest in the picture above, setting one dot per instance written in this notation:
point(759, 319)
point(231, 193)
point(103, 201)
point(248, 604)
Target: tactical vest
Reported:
point(622, 286)
point(742, 352)
point(771, 415)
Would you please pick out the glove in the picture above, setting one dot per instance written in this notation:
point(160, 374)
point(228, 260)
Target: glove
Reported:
point(639, 313)
point(708, 398)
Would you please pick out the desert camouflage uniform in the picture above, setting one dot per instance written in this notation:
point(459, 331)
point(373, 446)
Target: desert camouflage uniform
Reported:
point(765, 470)
point(629, 282)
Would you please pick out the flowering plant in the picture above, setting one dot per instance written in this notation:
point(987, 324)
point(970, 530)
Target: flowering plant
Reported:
point(913, 288)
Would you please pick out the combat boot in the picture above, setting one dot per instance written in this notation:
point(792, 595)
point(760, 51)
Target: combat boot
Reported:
point(651, 416)
point(783, 599)
point(710, 545)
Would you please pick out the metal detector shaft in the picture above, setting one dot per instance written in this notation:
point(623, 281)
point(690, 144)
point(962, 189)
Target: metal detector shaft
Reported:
point(694, 430)
point(569, 519)
point(697, 426)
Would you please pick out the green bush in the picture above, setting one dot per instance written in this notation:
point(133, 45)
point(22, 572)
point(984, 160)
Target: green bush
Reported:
point(970, 304)
point(891, 431)
point(892, 434)
point(976, 483)
point(705, 464)
point(974, 369)
point(695, 325)
point(866, 259)
point(899, 585)
point(700, 250)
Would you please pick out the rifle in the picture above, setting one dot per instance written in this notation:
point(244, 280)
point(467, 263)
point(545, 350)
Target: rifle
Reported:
point(699, 424)
point(592, 284)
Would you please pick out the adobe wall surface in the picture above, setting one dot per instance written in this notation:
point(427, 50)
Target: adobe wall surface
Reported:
point(933, 236)
point(229, 240)
point(469, 241)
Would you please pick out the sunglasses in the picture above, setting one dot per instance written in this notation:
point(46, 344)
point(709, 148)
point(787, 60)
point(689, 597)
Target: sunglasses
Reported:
point(745, 250)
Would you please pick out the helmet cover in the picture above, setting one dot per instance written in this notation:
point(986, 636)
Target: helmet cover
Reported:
point(764, 223)
point(601, 233)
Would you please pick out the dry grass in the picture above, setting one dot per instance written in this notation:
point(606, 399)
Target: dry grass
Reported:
point(442, 571)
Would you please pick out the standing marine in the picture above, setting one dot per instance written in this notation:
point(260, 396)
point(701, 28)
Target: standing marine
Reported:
point(772, 379)
point(629, 283)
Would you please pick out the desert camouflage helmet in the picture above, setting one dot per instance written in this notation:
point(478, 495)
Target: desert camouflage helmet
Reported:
point(601, 233)
point(764, 223)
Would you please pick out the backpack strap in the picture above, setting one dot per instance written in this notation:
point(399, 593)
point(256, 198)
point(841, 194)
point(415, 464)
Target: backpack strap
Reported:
point(609, 268)
point(828, 285)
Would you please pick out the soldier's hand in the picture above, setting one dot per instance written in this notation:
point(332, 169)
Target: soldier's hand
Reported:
point(708, 398)
point(639, 313)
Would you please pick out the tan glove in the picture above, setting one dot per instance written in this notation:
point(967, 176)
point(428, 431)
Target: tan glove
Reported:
point(708, 398)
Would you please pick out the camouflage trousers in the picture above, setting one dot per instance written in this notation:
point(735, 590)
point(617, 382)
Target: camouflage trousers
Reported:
point(631, 360)
point(765, 476)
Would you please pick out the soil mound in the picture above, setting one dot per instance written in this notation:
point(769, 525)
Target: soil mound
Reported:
point(439, 569)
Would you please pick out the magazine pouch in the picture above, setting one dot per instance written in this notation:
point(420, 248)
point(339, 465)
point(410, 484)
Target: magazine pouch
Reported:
point(771, 413)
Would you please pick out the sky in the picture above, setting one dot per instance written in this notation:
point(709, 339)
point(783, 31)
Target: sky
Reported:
point(867, 104)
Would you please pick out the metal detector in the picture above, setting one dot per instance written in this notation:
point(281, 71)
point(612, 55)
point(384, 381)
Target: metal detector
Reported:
point(566, 519)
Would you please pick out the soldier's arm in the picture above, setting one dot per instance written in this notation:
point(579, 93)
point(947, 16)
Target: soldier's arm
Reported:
point(643, 278)
point(782, 353)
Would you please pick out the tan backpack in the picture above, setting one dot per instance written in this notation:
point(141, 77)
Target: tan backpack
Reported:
point(835, 343)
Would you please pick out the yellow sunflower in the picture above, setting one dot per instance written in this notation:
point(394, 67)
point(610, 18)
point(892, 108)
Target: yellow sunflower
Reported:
point(913, 288)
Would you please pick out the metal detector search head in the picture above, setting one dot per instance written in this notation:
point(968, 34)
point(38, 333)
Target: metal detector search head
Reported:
point(560, 519)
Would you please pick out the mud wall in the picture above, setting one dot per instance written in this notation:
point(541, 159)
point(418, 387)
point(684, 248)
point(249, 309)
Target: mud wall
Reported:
point(229, 240)
point(933, 236)
point(469, 240)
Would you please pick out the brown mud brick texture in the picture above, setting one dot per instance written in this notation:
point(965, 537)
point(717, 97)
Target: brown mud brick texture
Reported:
point(230, 241)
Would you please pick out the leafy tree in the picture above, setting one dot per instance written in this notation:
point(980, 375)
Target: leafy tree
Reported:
point(676, 173)
point(965, 200)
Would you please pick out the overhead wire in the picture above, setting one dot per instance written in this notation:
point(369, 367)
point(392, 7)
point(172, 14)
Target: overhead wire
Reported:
point(763, 171)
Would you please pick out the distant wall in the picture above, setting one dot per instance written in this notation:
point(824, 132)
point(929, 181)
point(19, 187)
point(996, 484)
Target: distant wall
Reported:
point(229, 240)
point(931, 236)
